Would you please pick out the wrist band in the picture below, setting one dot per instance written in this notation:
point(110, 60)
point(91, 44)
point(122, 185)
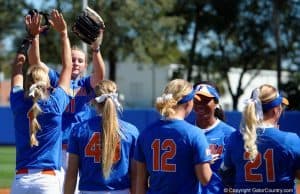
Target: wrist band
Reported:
point(30, 36)
point(96, 50)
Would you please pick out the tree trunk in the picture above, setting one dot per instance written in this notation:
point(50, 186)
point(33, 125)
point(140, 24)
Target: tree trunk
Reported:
point(277, 41)
point(193, 47)
point(235, 100)
point(112, 60)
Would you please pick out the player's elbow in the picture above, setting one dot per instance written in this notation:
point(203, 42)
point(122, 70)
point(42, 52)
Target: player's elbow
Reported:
point(203, 172)
point(205, 180)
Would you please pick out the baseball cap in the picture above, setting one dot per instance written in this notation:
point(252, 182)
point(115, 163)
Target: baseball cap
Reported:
point(206, 90)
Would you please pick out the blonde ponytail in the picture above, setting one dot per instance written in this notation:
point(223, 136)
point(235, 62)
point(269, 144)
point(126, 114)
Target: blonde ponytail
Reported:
point(249, 130)
point(110, 136)
point(173, 93)
point(107, 104)
point(165, 104)
point(34, 125)
point(37, 84)
point(36, 91)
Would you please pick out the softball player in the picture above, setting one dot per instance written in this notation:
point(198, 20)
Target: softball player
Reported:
point(262, 158)
point(37, 114)
point(81, 88)
point(209, 116)
point(102, 148)
point(173, 152)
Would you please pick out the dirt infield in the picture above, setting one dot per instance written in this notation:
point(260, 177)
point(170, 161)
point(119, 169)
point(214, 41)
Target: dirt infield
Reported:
point(6, 191)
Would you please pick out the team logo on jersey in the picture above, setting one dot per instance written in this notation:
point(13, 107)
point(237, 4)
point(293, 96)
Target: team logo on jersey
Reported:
point(208, 152)
point(216, 149)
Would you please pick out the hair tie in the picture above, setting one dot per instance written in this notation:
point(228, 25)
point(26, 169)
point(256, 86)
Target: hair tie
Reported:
point(113, 96)
point(34, 86)
point(257, 103)
point(164, 98)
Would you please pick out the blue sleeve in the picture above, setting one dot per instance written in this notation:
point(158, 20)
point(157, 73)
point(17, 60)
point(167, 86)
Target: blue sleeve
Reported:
point(73, 144)
point(138, 152)
point(200, 148)
point(227, 136)
point(59, 99)
point(135, 135)
point(227, 152)
point(293, 142)
point(54, 78)
point(16, 98)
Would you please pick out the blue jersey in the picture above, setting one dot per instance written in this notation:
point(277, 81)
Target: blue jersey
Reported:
point(217, 137)
point(78, 108)
point(48, 154)
point(171, 149)
point(273, 168)
point(85, 142)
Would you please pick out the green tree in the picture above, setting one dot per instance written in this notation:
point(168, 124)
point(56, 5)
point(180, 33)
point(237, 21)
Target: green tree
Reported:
point(238, 34)
point(11, 15)
point(140, 30)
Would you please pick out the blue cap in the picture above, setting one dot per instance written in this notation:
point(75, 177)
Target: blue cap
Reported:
point(206, 90)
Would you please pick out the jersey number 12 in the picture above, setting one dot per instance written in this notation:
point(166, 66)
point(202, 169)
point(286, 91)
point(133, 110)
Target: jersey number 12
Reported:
point(162, 152)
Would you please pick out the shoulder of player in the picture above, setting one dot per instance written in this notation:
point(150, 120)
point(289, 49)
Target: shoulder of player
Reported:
point(226, 128)
point(91, 124)
point(54, 100)
point(82, 80)
point(285, 136)
point(58, 91)
point(144, 134)
point(235, 136)
point(52, 72)
point(128, 127)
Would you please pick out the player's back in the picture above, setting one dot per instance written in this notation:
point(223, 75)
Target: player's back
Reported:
point(85, 141)
point(171, 149)
point(47, 154)
point(274, 166)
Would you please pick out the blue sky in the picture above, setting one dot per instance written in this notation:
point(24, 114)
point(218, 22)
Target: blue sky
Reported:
point(38, 3)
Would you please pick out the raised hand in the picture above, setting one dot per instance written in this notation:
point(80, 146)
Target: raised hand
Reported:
point(96, 44)
point(20, 58)
point(57, 22)
point(33, 23)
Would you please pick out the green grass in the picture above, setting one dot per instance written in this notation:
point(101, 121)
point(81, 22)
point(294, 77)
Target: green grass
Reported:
point(7, 165)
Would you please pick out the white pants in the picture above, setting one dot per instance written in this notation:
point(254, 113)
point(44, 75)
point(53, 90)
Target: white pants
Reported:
point(124, 191)
point(65, 159)
point(35, 182)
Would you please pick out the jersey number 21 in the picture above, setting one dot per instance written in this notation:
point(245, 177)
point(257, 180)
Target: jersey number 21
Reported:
point(267, 164)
